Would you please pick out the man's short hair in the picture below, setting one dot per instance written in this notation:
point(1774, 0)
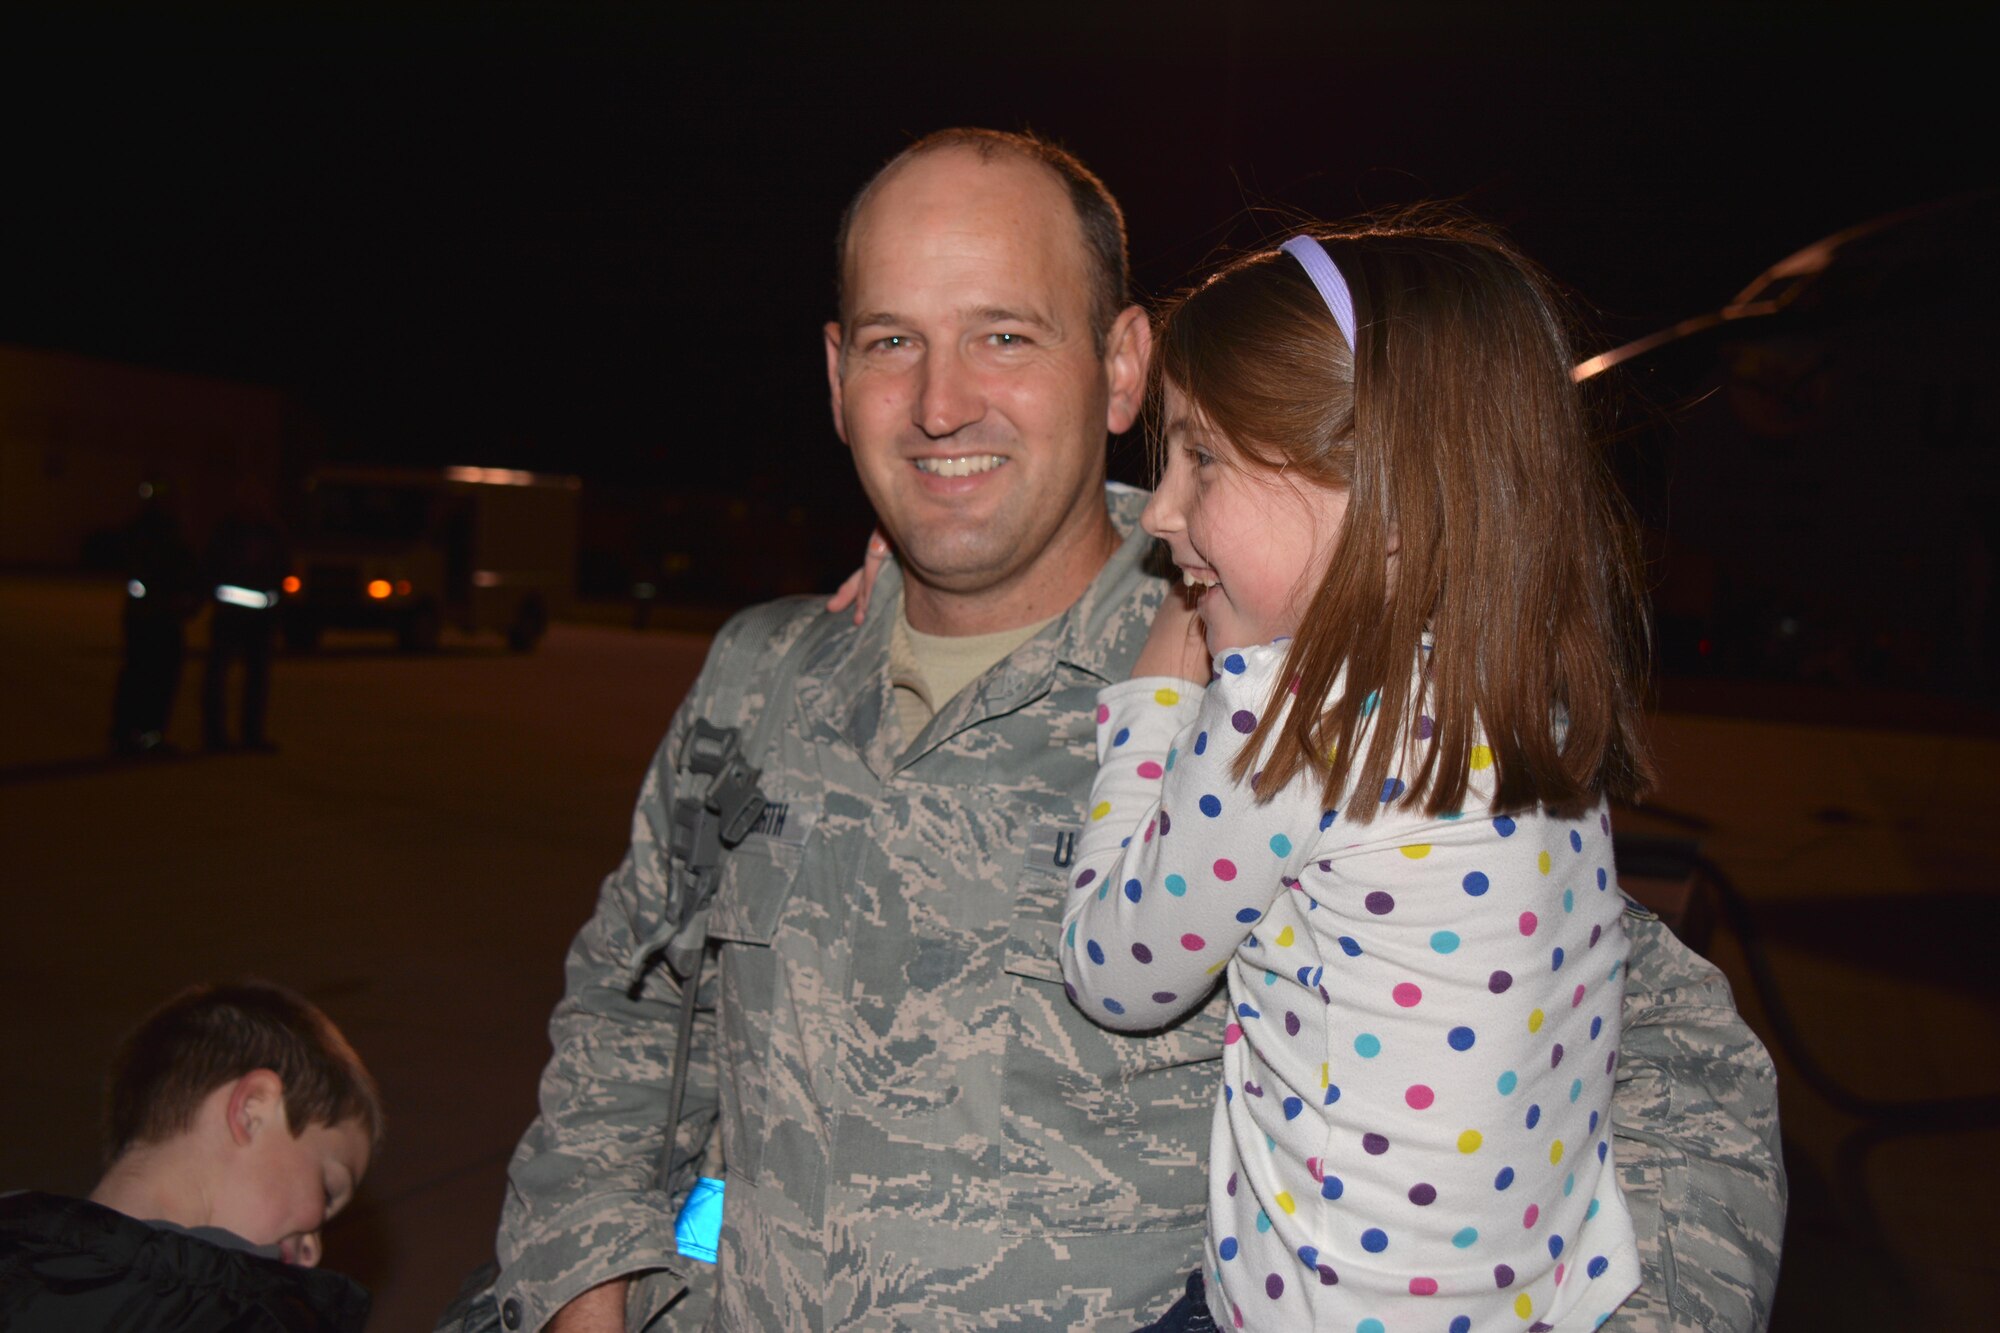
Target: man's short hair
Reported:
point(1097, 213)
point(212, 1034)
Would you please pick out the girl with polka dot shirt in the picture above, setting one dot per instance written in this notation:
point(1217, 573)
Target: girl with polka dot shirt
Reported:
point(1383, 819)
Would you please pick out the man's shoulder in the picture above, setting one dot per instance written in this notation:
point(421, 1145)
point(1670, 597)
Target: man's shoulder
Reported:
point(784, 616)
point(761, 654)
point(759, 638)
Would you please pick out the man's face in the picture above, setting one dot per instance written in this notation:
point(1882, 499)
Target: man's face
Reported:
point(966, 378)
point(282, 1189)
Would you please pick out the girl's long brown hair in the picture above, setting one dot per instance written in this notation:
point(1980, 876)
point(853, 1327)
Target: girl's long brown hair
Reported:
point(1462, 441)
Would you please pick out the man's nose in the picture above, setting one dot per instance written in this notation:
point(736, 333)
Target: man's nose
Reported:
point(949, 398)
point(309, 1250)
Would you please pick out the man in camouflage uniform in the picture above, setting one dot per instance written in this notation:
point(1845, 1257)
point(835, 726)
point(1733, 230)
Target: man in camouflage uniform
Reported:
point(917, 1128)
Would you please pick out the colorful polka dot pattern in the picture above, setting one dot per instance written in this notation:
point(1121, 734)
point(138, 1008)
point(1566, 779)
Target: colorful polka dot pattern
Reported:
point(1414, 1118)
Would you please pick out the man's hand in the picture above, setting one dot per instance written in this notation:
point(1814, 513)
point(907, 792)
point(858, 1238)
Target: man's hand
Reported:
point(1177, 646)
point(859, 586)
point(599, 1310)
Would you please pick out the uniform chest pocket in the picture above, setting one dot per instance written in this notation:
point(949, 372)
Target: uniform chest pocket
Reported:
point(756, 884)
point(1038, 905)
point(1104, 1130)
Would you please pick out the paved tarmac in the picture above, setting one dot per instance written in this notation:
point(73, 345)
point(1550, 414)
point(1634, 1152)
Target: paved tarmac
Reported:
point(432, 831)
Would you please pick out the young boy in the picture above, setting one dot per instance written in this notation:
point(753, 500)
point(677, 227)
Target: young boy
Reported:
point(240, 1120)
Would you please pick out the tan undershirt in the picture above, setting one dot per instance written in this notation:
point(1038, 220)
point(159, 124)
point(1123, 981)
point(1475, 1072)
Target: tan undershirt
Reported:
point(928, 669)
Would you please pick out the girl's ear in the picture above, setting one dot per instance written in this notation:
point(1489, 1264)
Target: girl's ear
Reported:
point(256, 1101)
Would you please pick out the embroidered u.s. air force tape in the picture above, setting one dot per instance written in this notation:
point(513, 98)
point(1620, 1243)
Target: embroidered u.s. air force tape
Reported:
point(785, 821)
point(698, 1229)
point(1053, 849)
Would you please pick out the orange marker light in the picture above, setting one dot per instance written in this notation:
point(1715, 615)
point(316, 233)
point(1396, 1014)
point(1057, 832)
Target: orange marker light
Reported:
point(402, 587)
point(291, 583)
point(378, 588)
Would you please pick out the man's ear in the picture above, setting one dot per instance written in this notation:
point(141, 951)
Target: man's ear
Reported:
point(834, 343)
point(1126, 351)
point(256, 1102)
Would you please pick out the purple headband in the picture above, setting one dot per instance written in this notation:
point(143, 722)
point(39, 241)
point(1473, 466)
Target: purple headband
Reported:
point(1325, 276)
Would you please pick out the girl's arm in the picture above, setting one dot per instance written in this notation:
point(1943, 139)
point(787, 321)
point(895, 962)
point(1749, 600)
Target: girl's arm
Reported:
point(1178, 862)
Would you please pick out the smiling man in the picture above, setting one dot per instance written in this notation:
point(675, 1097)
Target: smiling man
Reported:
point(977, 368)
point(916, 1127)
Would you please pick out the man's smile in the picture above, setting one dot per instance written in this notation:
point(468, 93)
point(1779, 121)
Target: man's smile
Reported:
point(965, 465)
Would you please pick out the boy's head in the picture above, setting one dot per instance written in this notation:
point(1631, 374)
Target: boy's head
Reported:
point(279, 1110)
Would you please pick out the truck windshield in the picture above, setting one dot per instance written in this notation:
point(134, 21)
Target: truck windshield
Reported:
point(389, 513)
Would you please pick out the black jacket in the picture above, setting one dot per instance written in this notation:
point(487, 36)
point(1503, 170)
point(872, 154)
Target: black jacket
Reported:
point(71, 1266)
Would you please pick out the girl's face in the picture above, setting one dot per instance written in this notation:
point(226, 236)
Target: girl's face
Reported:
point(1256, 541)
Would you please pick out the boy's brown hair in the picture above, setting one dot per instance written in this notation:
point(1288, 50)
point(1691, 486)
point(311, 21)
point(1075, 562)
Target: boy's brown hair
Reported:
point(209, 1035)
point(1460, 437)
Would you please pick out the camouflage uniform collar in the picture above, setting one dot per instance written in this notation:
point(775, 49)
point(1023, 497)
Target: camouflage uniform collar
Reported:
point(1090, 635)
point(847, 682)
point(1093, 632)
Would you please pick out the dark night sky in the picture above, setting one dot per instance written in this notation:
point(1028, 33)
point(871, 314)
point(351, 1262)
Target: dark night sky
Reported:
point(594, 238)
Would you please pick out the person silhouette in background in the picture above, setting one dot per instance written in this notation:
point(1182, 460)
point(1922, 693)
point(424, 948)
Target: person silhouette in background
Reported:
point(161, 593)
point(243, 567)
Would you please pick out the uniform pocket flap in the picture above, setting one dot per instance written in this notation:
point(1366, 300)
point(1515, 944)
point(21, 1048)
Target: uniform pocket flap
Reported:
point(755, 882)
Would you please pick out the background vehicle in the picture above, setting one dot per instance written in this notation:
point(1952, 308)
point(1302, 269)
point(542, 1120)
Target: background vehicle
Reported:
point(413, 550)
